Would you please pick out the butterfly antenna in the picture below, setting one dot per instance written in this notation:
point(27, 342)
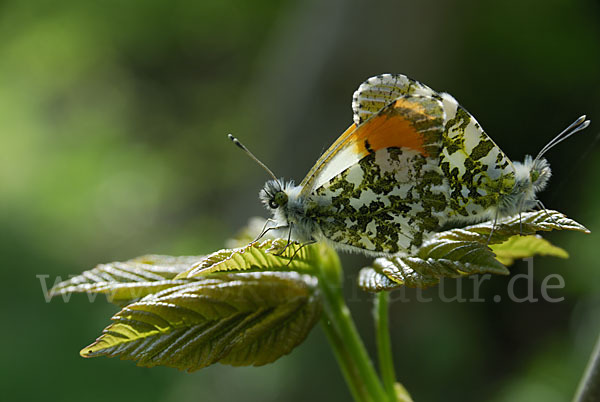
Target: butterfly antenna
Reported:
point(578, 125)
point(250, 154)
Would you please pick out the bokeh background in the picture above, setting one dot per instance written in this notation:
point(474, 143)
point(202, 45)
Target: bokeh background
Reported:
point(113, 116)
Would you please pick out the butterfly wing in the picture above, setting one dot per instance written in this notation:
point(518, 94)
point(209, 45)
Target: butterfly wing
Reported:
point(377, 92)
point(368, 100)
point(478, 174)
point(385, 199)
point(401, 171)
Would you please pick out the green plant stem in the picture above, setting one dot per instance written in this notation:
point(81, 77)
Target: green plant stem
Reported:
point(349, 369)
point(384, 345)
point(589, 387)
point(348, 347)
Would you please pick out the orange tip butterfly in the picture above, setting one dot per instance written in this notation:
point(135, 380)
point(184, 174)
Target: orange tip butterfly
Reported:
point(413, 160)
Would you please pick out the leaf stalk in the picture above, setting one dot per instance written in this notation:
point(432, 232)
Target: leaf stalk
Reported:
point(348, 347)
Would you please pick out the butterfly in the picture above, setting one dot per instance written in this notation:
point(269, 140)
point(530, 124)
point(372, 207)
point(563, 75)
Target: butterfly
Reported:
point(413, 160)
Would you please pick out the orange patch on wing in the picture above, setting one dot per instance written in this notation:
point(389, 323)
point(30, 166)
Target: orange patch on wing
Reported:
point(387, 130)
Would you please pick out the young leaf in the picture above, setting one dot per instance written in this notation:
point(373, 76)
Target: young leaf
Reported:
point(268, 255)
point(527, 223)
point(124, 282)
point(238, 319)
point(464, 251)
point(526, 246)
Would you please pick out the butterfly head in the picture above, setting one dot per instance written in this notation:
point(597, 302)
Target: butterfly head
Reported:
point(539, 172)
point(273, 195)
point(284, 201)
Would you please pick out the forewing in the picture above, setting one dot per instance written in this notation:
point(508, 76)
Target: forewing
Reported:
point(382, 190)
point(413, 160)
point(368, 100)
point(477, 172)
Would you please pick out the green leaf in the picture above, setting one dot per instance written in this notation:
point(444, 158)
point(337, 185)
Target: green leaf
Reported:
point(261, 256)
point(237, 319)
point(518, 247)
point(528, 223)
point(124, 282)
point(460, 252)
point(451, 259)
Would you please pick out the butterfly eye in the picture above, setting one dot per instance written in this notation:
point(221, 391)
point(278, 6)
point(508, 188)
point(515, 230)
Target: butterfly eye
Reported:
point(273, 204)
point(534, 175)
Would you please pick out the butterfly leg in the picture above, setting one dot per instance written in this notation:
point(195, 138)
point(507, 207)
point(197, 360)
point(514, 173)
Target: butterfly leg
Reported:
point(265, 230)
point(520, 219)
point(492, 231)
point(541, 205)
point(520, 225)
point(300, 248)
point(289, 240)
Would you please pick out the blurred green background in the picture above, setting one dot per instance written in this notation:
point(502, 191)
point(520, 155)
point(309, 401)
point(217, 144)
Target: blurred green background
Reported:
point(113, 116)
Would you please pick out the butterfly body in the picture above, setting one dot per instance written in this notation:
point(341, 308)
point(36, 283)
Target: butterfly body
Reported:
point(413, 160)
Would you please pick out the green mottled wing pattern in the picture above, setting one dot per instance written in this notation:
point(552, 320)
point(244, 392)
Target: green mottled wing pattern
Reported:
point(476, 170)
point(394, 196)
point(389, 199)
